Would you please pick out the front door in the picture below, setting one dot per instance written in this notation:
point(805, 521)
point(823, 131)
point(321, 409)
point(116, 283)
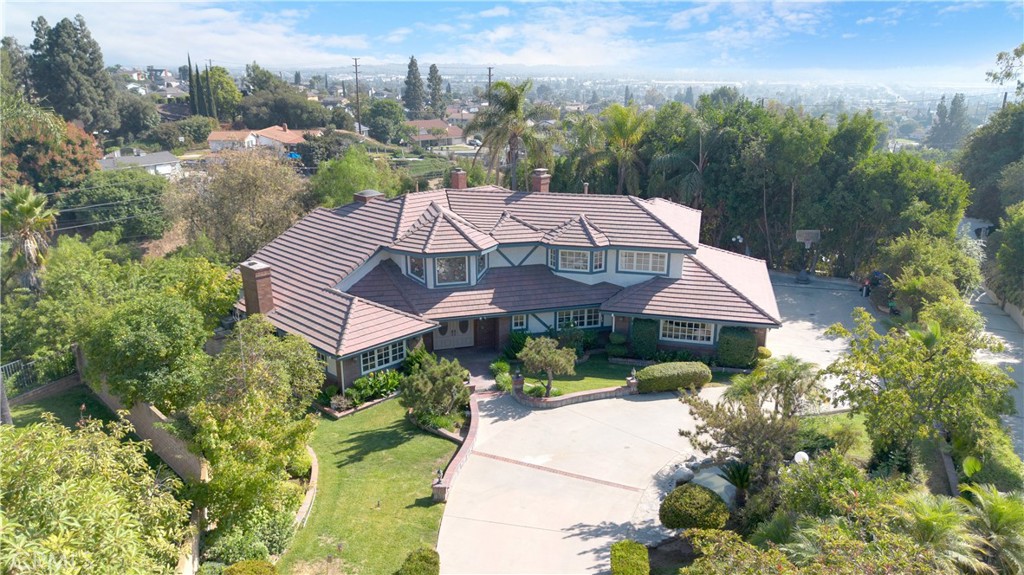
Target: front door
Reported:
point(453, 334)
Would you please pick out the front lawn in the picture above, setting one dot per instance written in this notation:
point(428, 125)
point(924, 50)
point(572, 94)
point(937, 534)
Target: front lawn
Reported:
point(373, 504)
point(861, 451)
point(598, 373)
point(66, 406)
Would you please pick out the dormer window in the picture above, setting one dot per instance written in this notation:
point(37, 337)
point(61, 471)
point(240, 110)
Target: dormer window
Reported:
point(573, 260)
point(417, 268)
point(598, 261)
point(481, 265)
point(450, 271)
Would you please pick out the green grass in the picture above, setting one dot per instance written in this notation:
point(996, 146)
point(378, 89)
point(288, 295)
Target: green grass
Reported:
point(861, 451)
point(369, 457)
point(66, 406)
point(595, 373)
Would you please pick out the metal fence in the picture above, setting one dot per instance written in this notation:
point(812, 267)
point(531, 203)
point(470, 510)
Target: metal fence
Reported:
point(19, 376)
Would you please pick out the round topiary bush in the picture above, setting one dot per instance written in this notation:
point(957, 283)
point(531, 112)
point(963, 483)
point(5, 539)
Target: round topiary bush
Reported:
point(672, 376)
point(616, 338)
point(423, 561)
point(630, 558)
point(763, 353)
point(693, 506)
point(251, 568)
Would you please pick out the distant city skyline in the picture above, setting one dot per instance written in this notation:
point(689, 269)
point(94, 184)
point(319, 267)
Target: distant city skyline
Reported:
point(914, 42)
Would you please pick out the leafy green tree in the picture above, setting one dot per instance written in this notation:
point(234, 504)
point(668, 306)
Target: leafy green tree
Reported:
point(438, 102)
point(413, 97)
point(194, 130)
point(624, 129)
point(327, 146)
point(1009, 67)
point(436, 387)
point(14, 72)
point(68, 73)
point(542, 355)
point(1009, 264)
point(386, 121)
point(788, 384)
point(259, 79)
point(209, 288)
point(137, 114)
point(129, 199)
point(987, 151)
point(999, 520)
point(149, 348)
point(338, 180)
point(226, 95)
point(925, 268)
point(508, 126)
point(86, 501)
point(243, 202)
point(28, 222)
point(951, 124)
point(262, 109)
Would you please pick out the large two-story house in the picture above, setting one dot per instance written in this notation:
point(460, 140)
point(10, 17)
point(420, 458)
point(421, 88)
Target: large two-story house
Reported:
point(465, 267)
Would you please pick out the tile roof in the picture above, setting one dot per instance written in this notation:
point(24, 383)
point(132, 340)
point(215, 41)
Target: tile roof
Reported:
point(154, 159)
point(440, 231)
point(577, 232)
point(422, 128)
point(286, 136)
point(510, 230)
point(228, 135)
point(500, 291)
point(701, 294)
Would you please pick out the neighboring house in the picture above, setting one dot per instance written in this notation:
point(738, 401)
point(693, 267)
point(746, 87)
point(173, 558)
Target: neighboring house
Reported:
point(362, 130)
point(158, 163)
point(170, 92)
point(435, 133)
point(462, 267)
point(231, 140)
point(461, 118)
point(281, 139)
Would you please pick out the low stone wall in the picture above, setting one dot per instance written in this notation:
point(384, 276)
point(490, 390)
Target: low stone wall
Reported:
point(188, 560)
point(579, 397)
point(443, 486)
point(307, 502)
point(336, 415)
point(53, 388)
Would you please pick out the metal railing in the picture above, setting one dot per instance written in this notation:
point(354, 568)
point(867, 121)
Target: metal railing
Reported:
point(19, 376)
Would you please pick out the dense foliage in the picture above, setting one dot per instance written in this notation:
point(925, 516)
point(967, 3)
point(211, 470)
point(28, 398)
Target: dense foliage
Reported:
point(629, 558)
point(685, 375)
point(422, 561)
point(737, 347)
point(129, 199)
point(337, 180)
point(436, 388)
point(693, 506)
point(542, 355)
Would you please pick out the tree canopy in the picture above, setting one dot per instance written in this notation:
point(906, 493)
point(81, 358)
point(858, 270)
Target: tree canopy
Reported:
point(413, 97)
point(336, 181)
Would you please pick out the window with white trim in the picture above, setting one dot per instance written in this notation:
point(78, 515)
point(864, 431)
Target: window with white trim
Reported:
point(573, 260)
point(598, 262)
point(652, 262)
point(382, 356)
point(689, 331)
point(590, 317)
point(451, 270)
point(417, 267)
point(519, 322)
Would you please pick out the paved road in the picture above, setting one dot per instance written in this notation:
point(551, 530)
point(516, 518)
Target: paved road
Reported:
point(1002, 327)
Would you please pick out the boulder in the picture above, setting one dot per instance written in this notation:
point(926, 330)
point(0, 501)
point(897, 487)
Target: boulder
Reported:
point(683, 475)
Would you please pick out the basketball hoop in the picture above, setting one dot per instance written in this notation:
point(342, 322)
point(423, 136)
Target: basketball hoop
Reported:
point(808, 237)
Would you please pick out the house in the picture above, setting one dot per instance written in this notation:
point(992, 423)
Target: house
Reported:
point(159, 163)
point(281, 139)
point(435, 133)
point(460, 267)
point(231, 140)
point(461, 118)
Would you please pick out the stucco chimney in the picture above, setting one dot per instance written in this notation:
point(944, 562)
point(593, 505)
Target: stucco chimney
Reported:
point(367, 196)
point(540, 180)
point(586, 188)
point(460, 180)
point(256, 287)
point(284, 127)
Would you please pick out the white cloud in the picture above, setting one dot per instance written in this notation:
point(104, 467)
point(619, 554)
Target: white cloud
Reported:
point(848, 36)
point(868, 20)
point(495, 12)
point(686, 18)
point(397, 35)
point(960, 7)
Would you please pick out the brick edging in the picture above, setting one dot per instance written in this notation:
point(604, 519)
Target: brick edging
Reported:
point(442, 486)
point(336, 415)
point(572, 398)
point(302, 515)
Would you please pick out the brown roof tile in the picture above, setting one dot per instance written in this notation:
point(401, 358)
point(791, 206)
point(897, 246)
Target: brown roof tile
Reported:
point(579, 232)
point(439, 231)
point(511, 230)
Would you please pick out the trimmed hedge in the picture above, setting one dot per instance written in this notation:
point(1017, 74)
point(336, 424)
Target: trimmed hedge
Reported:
point(672, 376)
point(423, 561)
point(616, 350)
point(616, 338)
point(644, 335)
point(251, 568)
point(630, 558)
point(737, 347)
point(693, 506)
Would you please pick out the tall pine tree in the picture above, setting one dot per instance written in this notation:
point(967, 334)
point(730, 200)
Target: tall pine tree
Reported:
point(413, 96)
point(200, 94)
point(192, 105)
point(211, 103)
point(437, 99)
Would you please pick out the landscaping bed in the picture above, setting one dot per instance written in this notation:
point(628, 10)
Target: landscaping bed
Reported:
point(66, 406)
point(373, 456)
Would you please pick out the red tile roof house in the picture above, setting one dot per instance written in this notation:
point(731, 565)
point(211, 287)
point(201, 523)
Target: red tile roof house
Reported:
point(460, 267)
point(435, 133)
point(281, 139)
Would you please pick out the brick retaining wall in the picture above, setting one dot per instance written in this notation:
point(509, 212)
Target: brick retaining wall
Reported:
point(53, 388)
point(443, 486)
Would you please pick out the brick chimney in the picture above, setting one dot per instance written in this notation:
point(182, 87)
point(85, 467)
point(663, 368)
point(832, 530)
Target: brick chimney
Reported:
point(256, 287)
point(367, 196)
point(460, 180)
point(540, 180)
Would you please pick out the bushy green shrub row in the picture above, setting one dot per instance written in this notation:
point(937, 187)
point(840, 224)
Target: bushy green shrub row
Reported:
point(616, 338)
point(630, 558)
point(737, 347)
point(672, 376)
point(693, 506)
point(423, 561)
point(645, 338)
point(503, 382)
point(373, 386)
point(1000, 466)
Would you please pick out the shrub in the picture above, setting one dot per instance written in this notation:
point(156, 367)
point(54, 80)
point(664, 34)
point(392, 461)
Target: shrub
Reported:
point(211, 568)
point(503, 382)
point(630, 558)
point(423, 561)
point(500, 367)
point(273, 528)
point(571, 337)
point(617, 350)
point(301, 465)
point(416, 358)
point(667, 356)
point(693, 506)
point(436, 421)
point(236, 545)
point(645, 338)
point(516, 341)
point(813, 442)
point(1000, 466)
point(616, 338)
point(437, 389)
point(590, 339)
point(763, 352)
point(672, 376)
point(737, 347)
point(326, 394)
point(251, 568)
point(373, 386)
point(341, 403)
point(538, 390)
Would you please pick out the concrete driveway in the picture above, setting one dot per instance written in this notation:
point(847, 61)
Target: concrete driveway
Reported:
point(549, 491)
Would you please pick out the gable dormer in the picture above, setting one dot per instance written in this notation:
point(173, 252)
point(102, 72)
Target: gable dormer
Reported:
point(443, 249)
point(577, 246)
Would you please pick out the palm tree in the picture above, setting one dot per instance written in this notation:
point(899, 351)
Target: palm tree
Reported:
point(508, 126)
point(27, 223)
point(943, 524)
point(738, 475)
point(999, 520)
point(787, 383)
point(624, 128)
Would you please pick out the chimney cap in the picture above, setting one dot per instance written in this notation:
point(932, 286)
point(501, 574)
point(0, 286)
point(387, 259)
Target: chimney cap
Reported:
point(367, 196)
point(255, 265)
point(539, 171)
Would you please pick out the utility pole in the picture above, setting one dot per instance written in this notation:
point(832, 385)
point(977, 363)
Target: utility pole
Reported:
point(489, 69)
point(359, 120)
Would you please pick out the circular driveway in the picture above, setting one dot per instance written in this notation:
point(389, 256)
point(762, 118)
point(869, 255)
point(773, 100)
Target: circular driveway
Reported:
point(549, 491)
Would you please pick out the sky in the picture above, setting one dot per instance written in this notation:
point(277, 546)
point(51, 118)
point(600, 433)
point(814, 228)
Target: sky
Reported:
point(911, 42)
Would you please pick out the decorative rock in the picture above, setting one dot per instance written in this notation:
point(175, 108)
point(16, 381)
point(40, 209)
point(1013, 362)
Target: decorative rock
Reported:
point(706, 462)
point(683, 475)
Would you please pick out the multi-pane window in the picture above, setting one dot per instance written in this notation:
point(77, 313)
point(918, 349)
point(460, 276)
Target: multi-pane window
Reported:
point(652, 262)
point(417, 267)
point(579, 318)
point(321, 356)
point(519, 322)
point(382, 356)
point(451, 270)
point(552, 258)
point(573, 260)
point(481, 265)
point(690, 331)
point(598, 262)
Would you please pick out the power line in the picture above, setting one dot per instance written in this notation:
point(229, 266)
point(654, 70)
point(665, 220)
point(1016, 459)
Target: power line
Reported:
point(104, 204)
